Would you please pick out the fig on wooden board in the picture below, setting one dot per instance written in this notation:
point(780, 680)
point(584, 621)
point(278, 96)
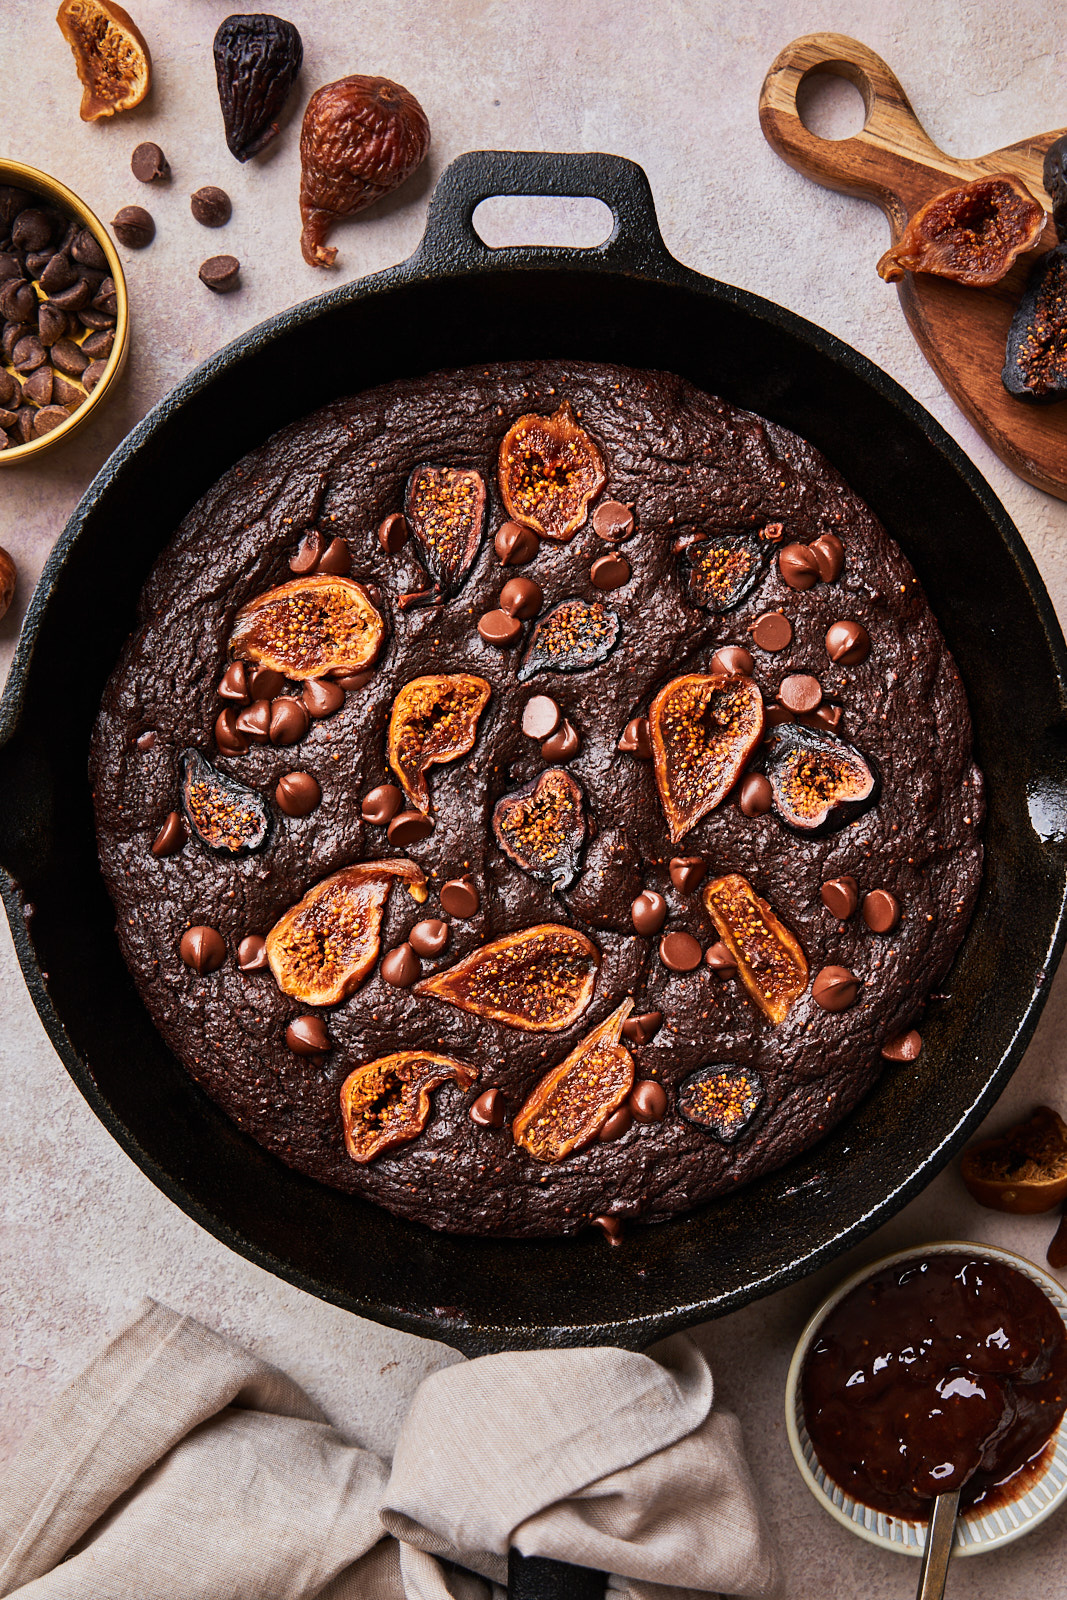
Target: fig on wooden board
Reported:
point(1035, 362)
point(386, 1103)
point(257, 60)
point(1023, 1170)
point(540, 979)
point(567, 1109)
point(549, 469)
point(445, 512)
point(818, 782)
point(570, 638)
point(110, 54)
point(971, 234)
point(704, 727)
point(226, 815)
point(722, 1098)
point(309, 627)
point(770, 962)
point(542, 827)
point(434, 720)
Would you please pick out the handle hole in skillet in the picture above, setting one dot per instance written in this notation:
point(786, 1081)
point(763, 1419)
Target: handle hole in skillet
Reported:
point(520, 219)
point(830, 105)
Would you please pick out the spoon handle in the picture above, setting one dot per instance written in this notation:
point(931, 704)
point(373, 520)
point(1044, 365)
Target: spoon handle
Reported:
point(940, 1532)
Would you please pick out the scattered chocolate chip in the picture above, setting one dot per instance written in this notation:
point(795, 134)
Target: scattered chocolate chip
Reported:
point(611, 1227)
point(401, 967)
point(610, 571)
point(31, 230)
point(613, 521)
point(28, 353)
point(496, 627)
point(393, 533)
point(220, 273)
point(18, 302)
point(648, 1099)
point(254, 721)
point(202, 949)
point(233, 685)
point(93, 373)
point(350, 681)
point(381, 805)
point(800, 692)
point(835, 988)
point(515, 545)
point(337, 561)
point(297, 794)
point(171, 836)
point(307, 1036)
point(848, 643)
point(563, 744)
point(489, 1110)
point(69, 358)
point(540, 717)
point(75, 298)
point(680, 952)
point(148, 163)
point(252, 953)
point(289, 720)
point(52, 324)
point(620, 1122)
point(322, 698)
point(106, 298)
point(636, 739)
point(408, 827)
point(799, 566)
point(880, 911)
point(227, 736)
point(840, 896)
point(146, 740)
point(133, 227)
point(99, 344)
point(644, 1028)
point(686, 872)
point(86, 249)
point(211, 206)
point(649, 912)
point(721, 959)
point(521, 597)
point(264, 683)
point(460, 897)
point(905, 1047)
point(733, 658)
point(755, 795)
point(429, 938)
point(829, 555)
point(38, 386)
point(308, 554)
point(772, 632)
point(49, 417)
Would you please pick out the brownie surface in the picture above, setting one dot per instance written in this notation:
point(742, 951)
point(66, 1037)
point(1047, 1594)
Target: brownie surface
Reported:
point(688, 464)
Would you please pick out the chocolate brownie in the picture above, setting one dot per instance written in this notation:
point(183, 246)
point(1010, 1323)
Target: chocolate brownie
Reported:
point(682, 827)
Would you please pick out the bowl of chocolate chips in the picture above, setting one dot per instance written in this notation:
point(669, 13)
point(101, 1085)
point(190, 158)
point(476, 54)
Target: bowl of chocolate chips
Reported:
point(64, 324)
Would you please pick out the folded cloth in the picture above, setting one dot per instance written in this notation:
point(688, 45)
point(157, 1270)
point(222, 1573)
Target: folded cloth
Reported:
point(180, 1467)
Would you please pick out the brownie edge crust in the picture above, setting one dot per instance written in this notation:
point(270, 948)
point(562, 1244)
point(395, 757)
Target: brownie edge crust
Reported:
point(859, 795)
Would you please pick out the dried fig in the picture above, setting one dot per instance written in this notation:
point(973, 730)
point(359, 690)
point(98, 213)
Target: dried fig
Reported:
point(321, 950)
point(818, 782)
point(1054, 177)
point(445, 511)
point(542, 827)
point(1035, 366)
point(110, 54)
point(722, 569)
point(223, 813)
point(721, 1098)
point(257, 60)
point(309, 627)
point(433, 720)
point(704, 727)
point(549, 470)
point(567, 1109)
point(1024, 1170)
point(540, 979)
point(570, 638)
point(386, 1103)
point(971, 234)
point(361, 138)
point(770, 962)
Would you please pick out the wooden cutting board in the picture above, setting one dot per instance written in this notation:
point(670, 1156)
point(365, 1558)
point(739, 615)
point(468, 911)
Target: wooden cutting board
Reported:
point(962, 332)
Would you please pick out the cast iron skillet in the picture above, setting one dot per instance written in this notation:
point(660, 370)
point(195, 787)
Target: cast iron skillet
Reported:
point(453, 303)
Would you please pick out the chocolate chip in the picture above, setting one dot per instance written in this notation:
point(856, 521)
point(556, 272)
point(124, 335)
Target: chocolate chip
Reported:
point(733, 658)
point(106, 298)
point(211, 206)
point(613, 521)
point(57, 274)
point(381, 805)
point(254, 721)
point(611, 1227)
point(721, 959)
point(133, 227)
point(847, 643)
point(8, 385)
point(86, 249)
point(76, 298)
point(337, 561)
point(26, 416)
point(371, 590)
point(308, 554)
point(540, 717)
point(460, 897)
point(644, 1028)
point(202, 949)
point(93, 373)
point(521, 597)
point(264, 683)
point(826, 716)
point(829, 555)
point(799, 566)
point(171, 836)
point(496, 627)
point(649, 912)
point(49, 417)
point(637, 739)
point(610, 571)
point(680, 952)
point(31, 230)
point(38, 386)
point(428, 938)
point(220, 273)
point(408, 827)
point(227, 736)
point(99, 344)
point(840, 896)
point(307, 1036)
point(146, 740)
point(148, 163)
point(252, 953)
point(10, 266)
point(755, 795)
point(905, 1047)
point(52, 324)
point(686, 872)
point(297, 794)
point(289, 720)
point(648, 1099)
point(401, 967)
point(489, 1110)
point(97, 320)
point(564, 743)
point(393, 533)
point(322, 698)
point(835, 988)
point(350, 681)
point(800, 692)
point(69, 358)
point(28, 353)
point(620, 1122)
point(773, 631)
point(233, 685)
point(515, 545)
point(18, 302)
point(880, 911)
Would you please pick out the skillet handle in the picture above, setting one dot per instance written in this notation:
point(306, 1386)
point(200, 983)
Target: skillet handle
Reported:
point(537, 1578)
point(451, 242)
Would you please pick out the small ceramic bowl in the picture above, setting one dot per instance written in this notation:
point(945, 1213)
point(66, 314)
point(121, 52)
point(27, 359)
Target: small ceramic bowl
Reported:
point(39, 183)
point(976, 1531)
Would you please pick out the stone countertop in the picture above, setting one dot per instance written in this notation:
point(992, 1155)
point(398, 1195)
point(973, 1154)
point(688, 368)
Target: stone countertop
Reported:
point(674, 86)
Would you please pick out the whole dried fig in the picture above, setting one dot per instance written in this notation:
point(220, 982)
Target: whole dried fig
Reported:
point(361, 138)
point(110, 54)
point(257, 59)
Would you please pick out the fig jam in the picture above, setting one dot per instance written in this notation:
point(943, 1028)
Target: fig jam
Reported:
point(935, 1374)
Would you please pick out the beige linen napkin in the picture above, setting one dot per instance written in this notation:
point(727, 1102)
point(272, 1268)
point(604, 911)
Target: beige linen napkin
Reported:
point(180, 1467)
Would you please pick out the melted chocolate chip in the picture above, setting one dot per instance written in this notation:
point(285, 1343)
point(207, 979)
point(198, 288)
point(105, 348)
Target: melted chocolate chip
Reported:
point(322, 698)
point(233, 685)
point(563, 744)
point(307, 1036)
point(733, 658)
point(649, 912)
point(460, 898)
point(489, 1110)
point(408, 827)
point(610, 572)
point(848, 643)
point(227, 737)
point(309, 553)
point(620, 1122)
point(289, 720)
point(721, 959)
point(381, 805)
point(648, 1100)
point(798, 566)
point(835, 988)
point(840, 896)
point(202, 948)
point(401, 967)
point(680, 952)
point(393, 533)
point(755, 795)
point(297, 794)
point(686, 872)
point(515, 545)
point(254, 721)
point(880, 911)
point(905, 1047)
point(642, 1029)
point(350, 681)
point(540, 717)
point(429, 937)
point(637, 739)
point(610, 1227)
point(773, 631)
point(171, 836)
point(829, 555)
point(264, 683)
point(521, 597)
point(496, 627)
point(337, 561)
point(252, 953)
point(800, 692)
point(613, 521)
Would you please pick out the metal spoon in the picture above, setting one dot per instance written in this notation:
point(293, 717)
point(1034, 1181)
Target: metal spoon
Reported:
point(940, 1538)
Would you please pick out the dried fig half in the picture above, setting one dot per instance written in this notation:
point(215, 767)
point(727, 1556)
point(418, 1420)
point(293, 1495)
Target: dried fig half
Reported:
point(110, 54)
point(770, 962)
point(1035, 364)
point(257, 60)
point(433, 720)
point(704, 727)
point(540, 979)
point(321, 950)
point(569, 1106)
point(570, 638)
point(1024, 1170)
point(549, 469)
point(818, 782)
point(722, 569)
point(542, 827)
point(445, 511)
point(971, 234)
point(722, 1098)
point(386, 1103)
point(222, 812)
point(309, 627)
